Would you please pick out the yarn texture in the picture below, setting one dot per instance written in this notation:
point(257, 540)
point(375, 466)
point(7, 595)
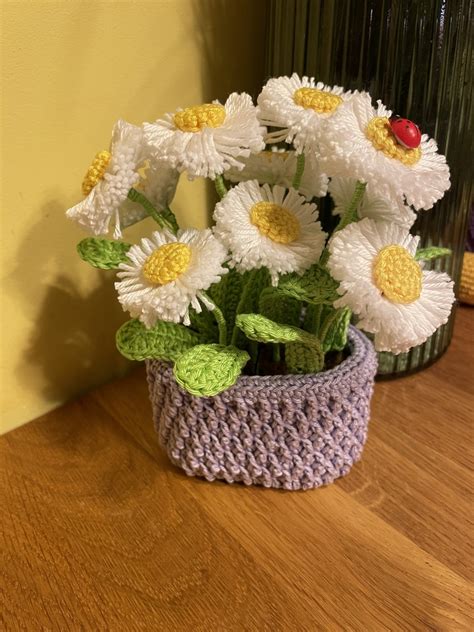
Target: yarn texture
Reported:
point(289, 432)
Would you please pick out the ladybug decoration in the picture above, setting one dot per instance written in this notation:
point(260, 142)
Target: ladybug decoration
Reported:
point(406, 132)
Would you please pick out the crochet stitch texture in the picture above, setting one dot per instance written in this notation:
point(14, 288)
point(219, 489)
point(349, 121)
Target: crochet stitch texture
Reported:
point(290, 432)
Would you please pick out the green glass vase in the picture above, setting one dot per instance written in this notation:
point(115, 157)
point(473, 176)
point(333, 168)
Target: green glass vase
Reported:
point(414, 55)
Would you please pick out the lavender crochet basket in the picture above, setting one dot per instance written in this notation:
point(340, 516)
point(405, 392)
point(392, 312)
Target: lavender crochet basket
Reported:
point(290, 431)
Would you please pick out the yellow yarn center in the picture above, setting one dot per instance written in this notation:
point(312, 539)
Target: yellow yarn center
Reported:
point(167, 263)
point(275, 222)
point(379, 133)
point(96, 171)
point(317, 100)
point(196, 118)
point(397, 275)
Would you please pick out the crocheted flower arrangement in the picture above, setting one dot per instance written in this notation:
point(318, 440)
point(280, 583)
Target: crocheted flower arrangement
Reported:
point(266, 290)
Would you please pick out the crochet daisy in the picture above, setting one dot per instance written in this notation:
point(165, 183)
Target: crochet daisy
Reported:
point(272, 228)
point(206, 140)
point(298, 108)
point(278, 167)
point(158, 182)
point(361, 145)
point(380, 280)
point(371, 205)
point(168, 273)
point(109, 179)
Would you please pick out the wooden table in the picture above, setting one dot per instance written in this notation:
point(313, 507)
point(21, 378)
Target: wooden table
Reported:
point(102, 533)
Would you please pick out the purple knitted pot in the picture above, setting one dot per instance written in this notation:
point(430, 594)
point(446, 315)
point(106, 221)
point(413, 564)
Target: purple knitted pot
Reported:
point(286, 431)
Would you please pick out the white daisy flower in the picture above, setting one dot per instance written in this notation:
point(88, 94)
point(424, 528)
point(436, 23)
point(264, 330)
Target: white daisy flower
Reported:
point(361, 145)
point(278, 167)
point(206, 140)
point(372, 205)
point(158, 182)
point(380, 280)
point(272, 228)
point(298, 108)
point(108, 180)
point(168, 273)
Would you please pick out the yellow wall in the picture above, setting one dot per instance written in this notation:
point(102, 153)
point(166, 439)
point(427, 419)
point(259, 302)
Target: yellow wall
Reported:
point(69, 70)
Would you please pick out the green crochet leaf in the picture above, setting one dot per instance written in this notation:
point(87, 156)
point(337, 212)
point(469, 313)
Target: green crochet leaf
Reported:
point(301, 358)
point(281, 309)
point(334, 328)
point(315, 286)
point(262, 329)
point(164, 341)
point(425, 254)
point(103, 253)
point(226, 294)
point(206, 370)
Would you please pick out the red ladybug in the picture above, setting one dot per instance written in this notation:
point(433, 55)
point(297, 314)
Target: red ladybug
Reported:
point(406, 132)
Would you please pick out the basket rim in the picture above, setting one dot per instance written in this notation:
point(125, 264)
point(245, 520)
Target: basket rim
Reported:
point(362, 353)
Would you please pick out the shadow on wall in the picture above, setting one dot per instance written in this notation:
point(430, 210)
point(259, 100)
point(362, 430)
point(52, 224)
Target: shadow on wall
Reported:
point(223, 30)
point(73, 345)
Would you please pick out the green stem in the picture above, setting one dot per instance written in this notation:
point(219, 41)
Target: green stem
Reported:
point(328, 321)
point(350, 215)
point(242, 301)
point(300, 161)
point(220, 186)
point(219, 316)
point(276, 352)
point(138, 197)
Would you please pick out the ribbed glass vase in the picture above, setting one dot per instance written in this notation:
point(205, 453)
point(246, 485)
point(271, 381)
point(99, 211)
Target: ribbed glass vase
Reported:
point(415, 55)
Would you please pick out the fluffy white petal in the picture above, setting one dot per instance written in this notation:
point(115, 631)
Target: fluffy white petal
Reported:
point(250, 248)
point(372, 205)
point(294, 123)
point(150, 302)
point(278, 167)
point(212, 150)
point(396, 327)
point(122, 173)
point(345, 150)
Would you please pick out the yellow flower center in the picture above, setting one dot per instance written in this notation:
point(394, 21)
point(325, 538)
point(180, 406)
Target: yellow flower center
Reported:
point(196, 118)
point(379, 132)
point(167, 263)
point(275, 222)
point(317, 100)
point(96, 171)
point(397, 275)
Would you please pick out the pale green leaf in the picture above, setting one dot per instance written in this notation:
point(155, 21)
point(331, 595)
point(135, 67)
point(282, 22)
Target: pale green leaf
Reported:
point(164, 341)
point(103, 253)
point(433, 252)
point(206, 370)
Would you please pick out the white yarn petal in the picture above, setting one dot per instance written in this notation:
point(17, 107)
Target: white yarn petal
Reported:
point(346, 151)
point(294, 123)
point(252, 249)
point(105, 199)
point(150, 302)
point(396, 327)
point(212, 150)
point(372, 205)
point(278, 167)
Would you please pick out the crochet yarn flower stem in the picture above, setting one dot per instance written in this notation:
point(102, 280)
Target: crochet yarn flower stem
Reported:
point(350, 215)
point(220, 186)
point(219, 316)
point(138, 197)
point(243, 302)
point(300, 162)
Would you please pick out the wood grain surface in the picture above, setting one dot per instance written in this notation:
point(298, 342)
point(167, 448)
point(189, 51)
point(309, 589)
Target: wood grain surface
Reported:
point(100, 532)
